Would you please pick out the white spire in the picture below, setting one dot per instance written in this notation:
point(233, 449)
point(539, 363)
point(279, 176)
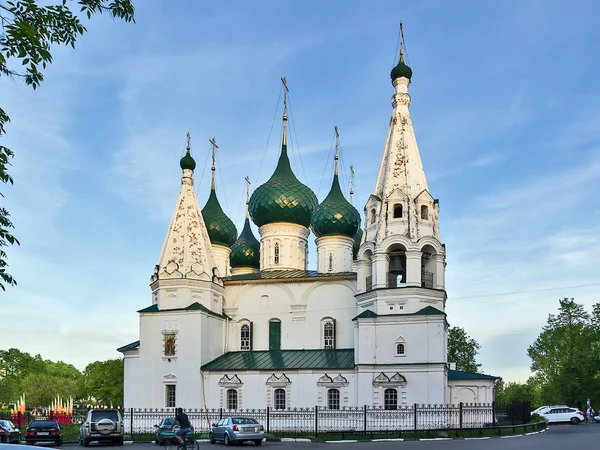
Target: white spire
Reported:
point(187, 251)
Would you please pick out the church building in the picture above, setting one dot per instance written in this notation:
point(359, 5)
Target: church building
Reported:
point(241, 322)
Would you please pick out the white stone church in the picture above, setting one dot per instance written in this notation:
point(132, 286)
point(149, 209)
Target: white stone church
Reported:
point(237, 323)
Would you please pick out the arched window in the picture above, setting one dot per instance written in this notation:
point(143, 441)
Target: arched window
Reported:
point(397, 211)
point(373, 214)
point(333, 399)
point(424, 212)
point(329, 334)
point(245, 337)
point(330, 262)
point(399, 349)
point(232, 399)
point(276, 252)
point(279, 399)
point(390, 399)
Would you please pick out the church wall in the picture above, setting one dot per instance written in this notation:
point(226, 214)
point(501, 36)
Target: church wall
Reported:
point(301, 308)
point(470, 391)
point(132, 389)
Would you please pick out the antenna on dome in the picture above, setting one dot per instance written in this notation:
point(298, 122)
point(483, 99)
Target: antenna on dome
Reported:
point(214, 146)
point(351, 183)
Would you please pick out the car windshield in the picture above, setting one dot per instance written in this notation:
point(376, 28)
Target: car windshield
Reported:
point(99, 415)
point(6, 424)
point(167, 422)
point(43, 424)
point(243, 421)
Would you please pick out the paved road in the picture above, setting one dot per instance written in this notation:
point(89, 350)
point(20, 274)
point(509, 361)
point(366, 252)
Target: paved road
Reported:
point(559, 437)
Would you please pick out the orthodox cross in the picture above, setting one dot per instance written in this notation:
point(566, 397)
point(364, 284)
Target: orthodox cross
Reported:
point(188, 146)
point(247, 194)
point(214, 146)
point(401, 43)
point(285, 91)
point(336, 157)
point(351, 182)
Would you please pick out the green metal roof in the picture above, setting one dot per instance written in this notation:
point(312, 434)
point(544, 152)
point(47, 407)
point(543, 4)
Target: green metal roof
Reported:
point(335, 216)
point(341, 359)
point(460, 375)
point(131, 346)
point(193, 307)
point(427, 311)
point(221, 230)
point(245, 252)
point(291, 275)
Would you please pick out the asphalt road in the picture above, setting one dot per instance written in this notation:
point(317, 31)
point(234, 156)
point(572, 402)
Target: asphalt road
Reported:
point(558, 437)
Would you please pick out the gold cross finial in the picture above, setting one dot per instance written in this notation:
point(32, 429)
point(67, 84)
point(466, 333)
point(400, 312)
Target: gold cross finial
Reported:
point(337, 149)
point(188, 145)
point(351, 182)
point(214, 146)
point(247, 194)
point(285, 91)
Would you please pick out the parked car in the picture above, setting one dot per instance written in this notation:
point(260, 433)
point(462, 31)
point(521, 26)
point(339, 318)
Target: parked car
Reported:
point(43, 431)
point(541, 408)
point(232, 430)
point(164, 431)
point(9, 434)
point(102, 425)
point(562, 414)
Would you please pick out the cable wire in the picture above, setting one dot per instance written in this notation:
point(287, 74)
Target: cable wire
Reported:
point(269, 137)
point(296, 136)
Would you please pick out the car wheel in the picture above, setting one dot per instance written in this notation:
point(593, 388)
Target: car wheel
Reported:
point(226, 440)
point(575, 420)
point(120, 441)
point(212, 438)
point(86, 442)
point(59, 443)
point(258, 442)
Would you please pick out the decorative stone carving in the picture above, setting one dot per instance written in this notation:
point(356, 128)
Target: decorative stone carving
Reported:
point(400, 99)
point(230, 382)
point(327, 381)
point(389, 381)
point(281, 381)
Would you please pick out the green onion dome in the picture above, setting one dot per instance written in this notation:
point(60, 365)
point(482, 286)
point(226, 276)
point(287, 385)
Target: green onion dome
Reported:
point(401, 70)
point(187, 162)
point(283, 198)
point(356, 246)
point(245, 252)
point(221, 229)
point(335, 216)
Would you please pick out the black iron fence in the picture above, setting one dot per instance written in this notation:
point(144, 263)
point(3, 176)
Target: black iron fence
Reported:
point(316, 420)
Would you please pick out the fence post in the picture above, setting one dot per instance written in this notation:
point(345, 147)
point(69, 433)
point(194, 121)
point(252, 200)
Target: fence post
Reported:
point(365, 419)
point(460, 414)
point(268, 428)
point(131, 422)
point(220, 413)
point(494, 413)
point(316, 420)
point(415, 414)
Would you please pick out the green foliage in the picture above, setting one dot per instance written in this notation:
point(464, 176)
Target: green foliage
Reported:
point(535, 418)
point(518, 392)
point(28, 31)
point(565, 356)
point(462, 349)
point(104, 381)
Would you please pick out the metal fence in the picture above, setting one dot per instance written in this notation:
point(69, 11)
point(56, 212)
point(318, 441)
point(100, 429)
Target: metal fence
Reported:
point(316, 420)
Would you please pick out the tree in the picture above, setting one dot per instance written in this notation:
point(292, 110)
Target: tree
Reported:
point(518, 392)
point(28, 30)
point(462, 349)
point(564, 357)
point(104, 381)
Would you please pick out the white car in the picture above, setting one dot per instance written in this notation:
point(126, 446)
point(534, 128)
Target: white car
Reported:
point(558, 414)
point(541, 408)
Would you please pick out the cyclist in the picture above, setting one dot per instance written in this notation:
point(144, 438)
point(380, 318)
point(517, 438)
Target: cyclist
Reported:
point(185, 426)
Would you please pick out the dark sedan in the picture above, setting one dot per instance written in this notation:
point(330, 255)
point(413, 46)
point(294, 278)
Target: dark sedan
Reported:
point(9, 434)
point(43, 431)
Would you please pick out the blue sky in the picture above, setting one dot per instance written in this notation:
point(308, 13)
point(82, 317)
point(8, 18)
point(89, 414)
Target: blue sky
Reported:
point(505, 104)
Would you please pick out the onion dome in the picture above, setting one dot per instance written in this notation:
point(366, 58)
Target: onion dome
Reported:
point(221, 229)
point(283, 198)
point(187, 162)
point(335, 216)
point(245, 252)
point(356, 246)
point(401, 70)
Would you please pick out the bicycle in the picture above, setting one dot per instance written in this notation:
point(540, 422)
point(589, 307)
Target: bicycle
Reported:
point(189, 443)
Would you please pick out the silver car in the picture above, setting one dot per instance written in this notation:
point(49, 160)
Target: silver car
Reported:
point(233, 430)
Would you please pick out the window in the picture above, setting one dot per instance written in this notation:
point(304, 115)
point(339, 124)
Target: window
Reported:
point(232, 399)
point(390, 399)
point(329, 334)
point(170, 344)
point(245, 337)
point(424, 212)
point(279, 399)
point(397, 211)
point(275, 335)
point(399, 349)
point(170, 396)
point(276, 252)
point(333, 399)
point(373, 214)
point(330, 262)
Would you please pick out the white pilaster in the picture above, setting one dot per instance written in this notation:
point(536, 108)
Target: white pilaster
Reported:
point(334, 254)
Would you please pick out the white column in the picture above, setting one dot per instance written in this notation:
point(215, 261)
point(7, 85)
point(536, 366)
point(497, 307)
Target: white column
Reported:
point(413, 268)
point(440, 271)
point(380, 269)
point(221, 254)
point(340, 249)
